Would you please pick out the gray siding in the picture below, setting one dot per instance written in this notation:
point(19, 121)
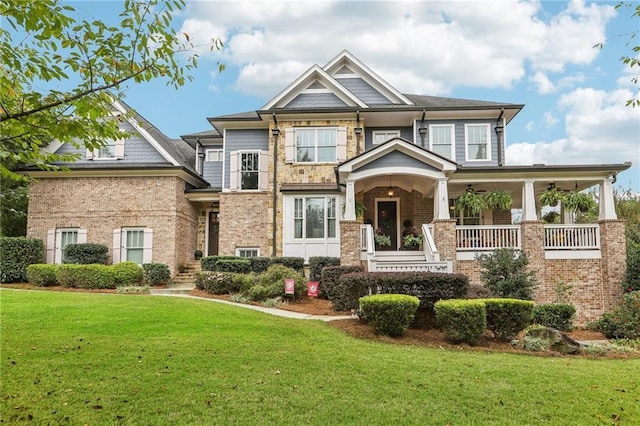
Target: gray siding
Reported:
point(235, 140)
point(396, 159)
point(316, 100)
point(364, 91)
point(405, 132)
point(212, 173)
point(136, 150)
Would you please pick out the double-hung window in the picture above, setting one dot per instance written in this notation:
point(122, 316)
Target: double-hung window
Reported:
point(441, 140)
point(477, 142)
point(134, 245)
point(213, 155)
point(314, 217)
point(316, 145)
point(249, 170)
point(379, 136)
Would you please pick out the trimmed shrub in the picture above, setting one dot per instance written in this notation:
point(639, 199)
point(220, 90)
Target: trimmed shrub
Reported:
point(42, 274)
point(127, 274)
point(242, 283)
point(259, 264)
point(346, 294)
point(462, 320)
point(632, 273)
point(505, 274)
point(507, 317)
point(86, 276)
point(215, 282)
point(295, 263)
point(317, 263)
point(623, 322)
point(156, 273)
point(477, 291)
point(330, 277)
point(239, 266)
point(86, 254)
point(273, 282)
point(554, 315)
point(208, 263)
point(16, 253)
point(389, 313)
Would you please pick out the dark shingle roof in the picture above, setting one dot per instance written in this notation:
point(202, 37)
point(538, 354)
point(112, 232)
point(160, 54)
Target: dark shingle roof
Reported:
point(440, 102)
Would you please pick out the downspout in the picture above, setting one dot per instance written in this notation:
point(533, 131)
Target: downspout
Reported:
point(500, 135)
point(200, 154)
point(358, 132)
point(274, 234)
point(422, 130)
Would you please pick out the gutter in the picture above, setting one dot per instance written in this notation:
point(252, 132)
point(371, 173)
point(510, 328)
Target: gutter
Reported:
point(275, 132)
point(500, 135)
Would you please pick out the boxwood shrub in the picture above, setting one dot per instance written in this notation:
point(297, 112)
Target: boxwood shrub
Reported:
point(341, 298)
point(390, 314)
point(239, 266)
point(16, 253)
point(462, 320)
point(156, 273)
point(86, 276)
point(208, 263)
point(273, 282)
point(127, 274)
point(260, 264)
point(42, 274)
point(295, 263)
point(86, 254)
point(555, 315)
point(507, 317)
point(216, 282)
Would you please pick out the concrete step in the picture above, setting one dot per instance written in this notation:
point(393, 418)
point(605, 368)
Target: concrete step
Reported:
point(170, 291)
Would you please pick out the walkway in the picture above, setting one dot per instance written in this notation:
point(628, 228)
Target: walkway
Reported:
point(271, 311)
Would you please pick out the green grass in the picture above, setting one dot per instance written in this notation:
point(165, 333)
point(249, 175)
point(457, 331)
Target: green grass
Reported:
point(81, 358)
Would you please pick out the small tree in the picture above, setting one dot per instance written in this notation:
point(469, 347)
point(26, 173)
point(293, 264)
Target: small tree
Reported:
point(505, 274)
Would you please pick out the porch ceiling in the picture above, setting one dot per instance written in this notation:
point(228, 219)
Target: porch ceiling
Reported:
point(408, 183)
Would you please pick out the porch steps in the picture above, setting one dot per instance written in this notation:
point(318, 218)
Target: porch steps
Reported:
point(187, 276)
point(396, 261)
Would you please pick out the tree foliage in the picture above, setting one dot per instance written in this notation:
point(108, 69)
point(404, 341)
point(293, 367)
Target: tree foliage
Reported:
point(60, 73)
point(505, 273)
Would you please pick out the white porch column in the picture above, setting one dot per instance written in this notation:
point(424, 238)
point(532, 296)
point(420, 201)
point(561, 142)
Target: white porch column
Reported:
point(441, 200)
point(528, 202)
point(607, 204)
point(350, 202)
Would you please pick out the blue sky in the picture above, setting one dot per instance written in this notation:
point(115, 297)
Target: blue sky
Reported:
point(537, 53)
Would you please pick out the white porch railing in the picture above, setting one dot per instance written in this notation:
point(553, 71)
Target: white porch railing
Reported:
point(488, 237)
point(431, 252)
point(572, 237)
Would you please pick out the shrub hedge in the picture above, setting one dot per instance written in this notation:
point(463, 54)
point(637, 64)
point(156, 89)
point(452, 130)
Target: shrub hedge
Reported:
point(127, 274)
point(259, 264)
point(623, 322)
point(335, 291)
point(86, 254)
point(239, 266)
point(86, 276)
point(295, 263)
point(16, 253)
point(462, 320)
point(390, 314)
point(273, 282)
point(507, 317)
point(215, 282)
point(42, 274)
point(156, 273)
point(555, 315)
point(316, 263)
point(256, 264)
point(208, 263)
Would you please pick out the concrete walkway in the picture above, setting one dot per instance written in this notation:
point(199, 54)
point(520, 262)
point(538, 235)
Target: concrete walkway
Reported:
point(271, 311)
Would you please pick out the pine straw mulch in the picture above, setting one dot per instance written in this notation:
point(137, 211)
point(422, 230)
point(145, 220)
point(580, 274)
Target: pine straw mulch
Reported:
point(423, 336)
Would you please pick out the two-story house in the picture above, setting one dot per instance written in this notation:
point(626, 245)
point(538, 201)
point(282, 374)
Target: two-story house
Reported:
point(336, 157)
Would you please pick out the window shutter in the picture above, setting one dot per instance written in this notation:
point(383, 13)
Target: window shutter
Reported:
point(51, 245)
point(233, 171)
point(82, 236)
point(341, 151)
point(263, 178)
point(147, 251)
point(289, 145)
point(89, 154)
point(120, 149)
point(117, 238)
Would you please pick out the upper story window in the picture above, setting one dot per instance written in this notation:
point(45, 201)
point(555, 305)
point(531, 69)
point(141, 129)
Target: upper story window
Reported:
point(112, 150)
point(477, 142)
point(316, 145)
point(441, 140)
point(213, 155)
point(379, 136)
point(249, 170)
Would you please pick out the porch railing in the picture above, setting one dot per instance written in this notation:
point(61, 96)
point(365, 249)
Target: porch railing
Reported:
point(367, 241)
point(431, 252)
point(572, 237)
point(488, 237)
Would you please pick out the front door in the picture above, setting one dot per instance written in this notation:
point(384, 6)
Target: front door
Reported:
point(214, 228)
point(387, 223)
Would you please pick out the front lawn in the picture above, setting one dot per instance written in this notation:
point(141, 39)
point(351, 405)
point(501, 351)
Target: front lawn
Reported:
point(82, 358)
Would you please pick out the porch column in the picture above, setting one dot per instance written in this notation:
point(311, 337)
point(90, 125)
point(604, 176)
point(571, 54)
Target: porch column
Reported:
point(441, 200)
point(607, 204)
point(444, 234)
point(350, 242)
point(350, 202)
point(528, 202)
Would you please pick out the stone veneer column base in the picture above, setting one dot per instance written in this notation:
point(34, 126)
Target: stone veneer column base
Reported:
point(350, 242)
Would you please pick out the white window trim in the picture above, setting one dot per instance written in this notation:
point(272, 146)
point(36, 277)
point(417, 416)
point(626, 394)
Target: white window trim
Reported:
point(377, 132)
point(250, 151)
point(256, 249)
point(218, 152)
point(81, 238)
point(453, 138)
point(295, 144)
point(466, 141)
point(120, 248)
point(304, 218)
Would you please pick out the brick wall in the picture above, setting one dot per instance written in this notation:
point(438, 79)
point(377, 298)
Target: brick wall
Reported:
point(101, 205)
point(245, 221)
point(350, 242)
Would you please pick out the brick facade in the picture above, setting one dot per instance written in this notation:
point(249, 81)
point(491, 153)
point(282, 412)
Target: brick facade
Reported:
point(350, 243)
point(245, 221)
point(102, 204)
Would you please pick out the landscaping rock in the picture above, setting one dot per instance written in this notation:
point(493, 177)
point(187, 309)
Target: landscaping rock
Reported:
point(557, 341)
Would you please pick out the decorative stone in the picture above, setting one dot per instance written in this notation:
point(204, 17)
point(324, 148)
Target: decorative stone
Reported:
point(556, 340)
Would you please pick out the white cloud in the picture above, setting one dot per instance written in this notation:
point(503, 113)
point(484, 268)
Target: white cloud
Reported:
point(549, 119)
point(419, 47)
point(542, 83)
